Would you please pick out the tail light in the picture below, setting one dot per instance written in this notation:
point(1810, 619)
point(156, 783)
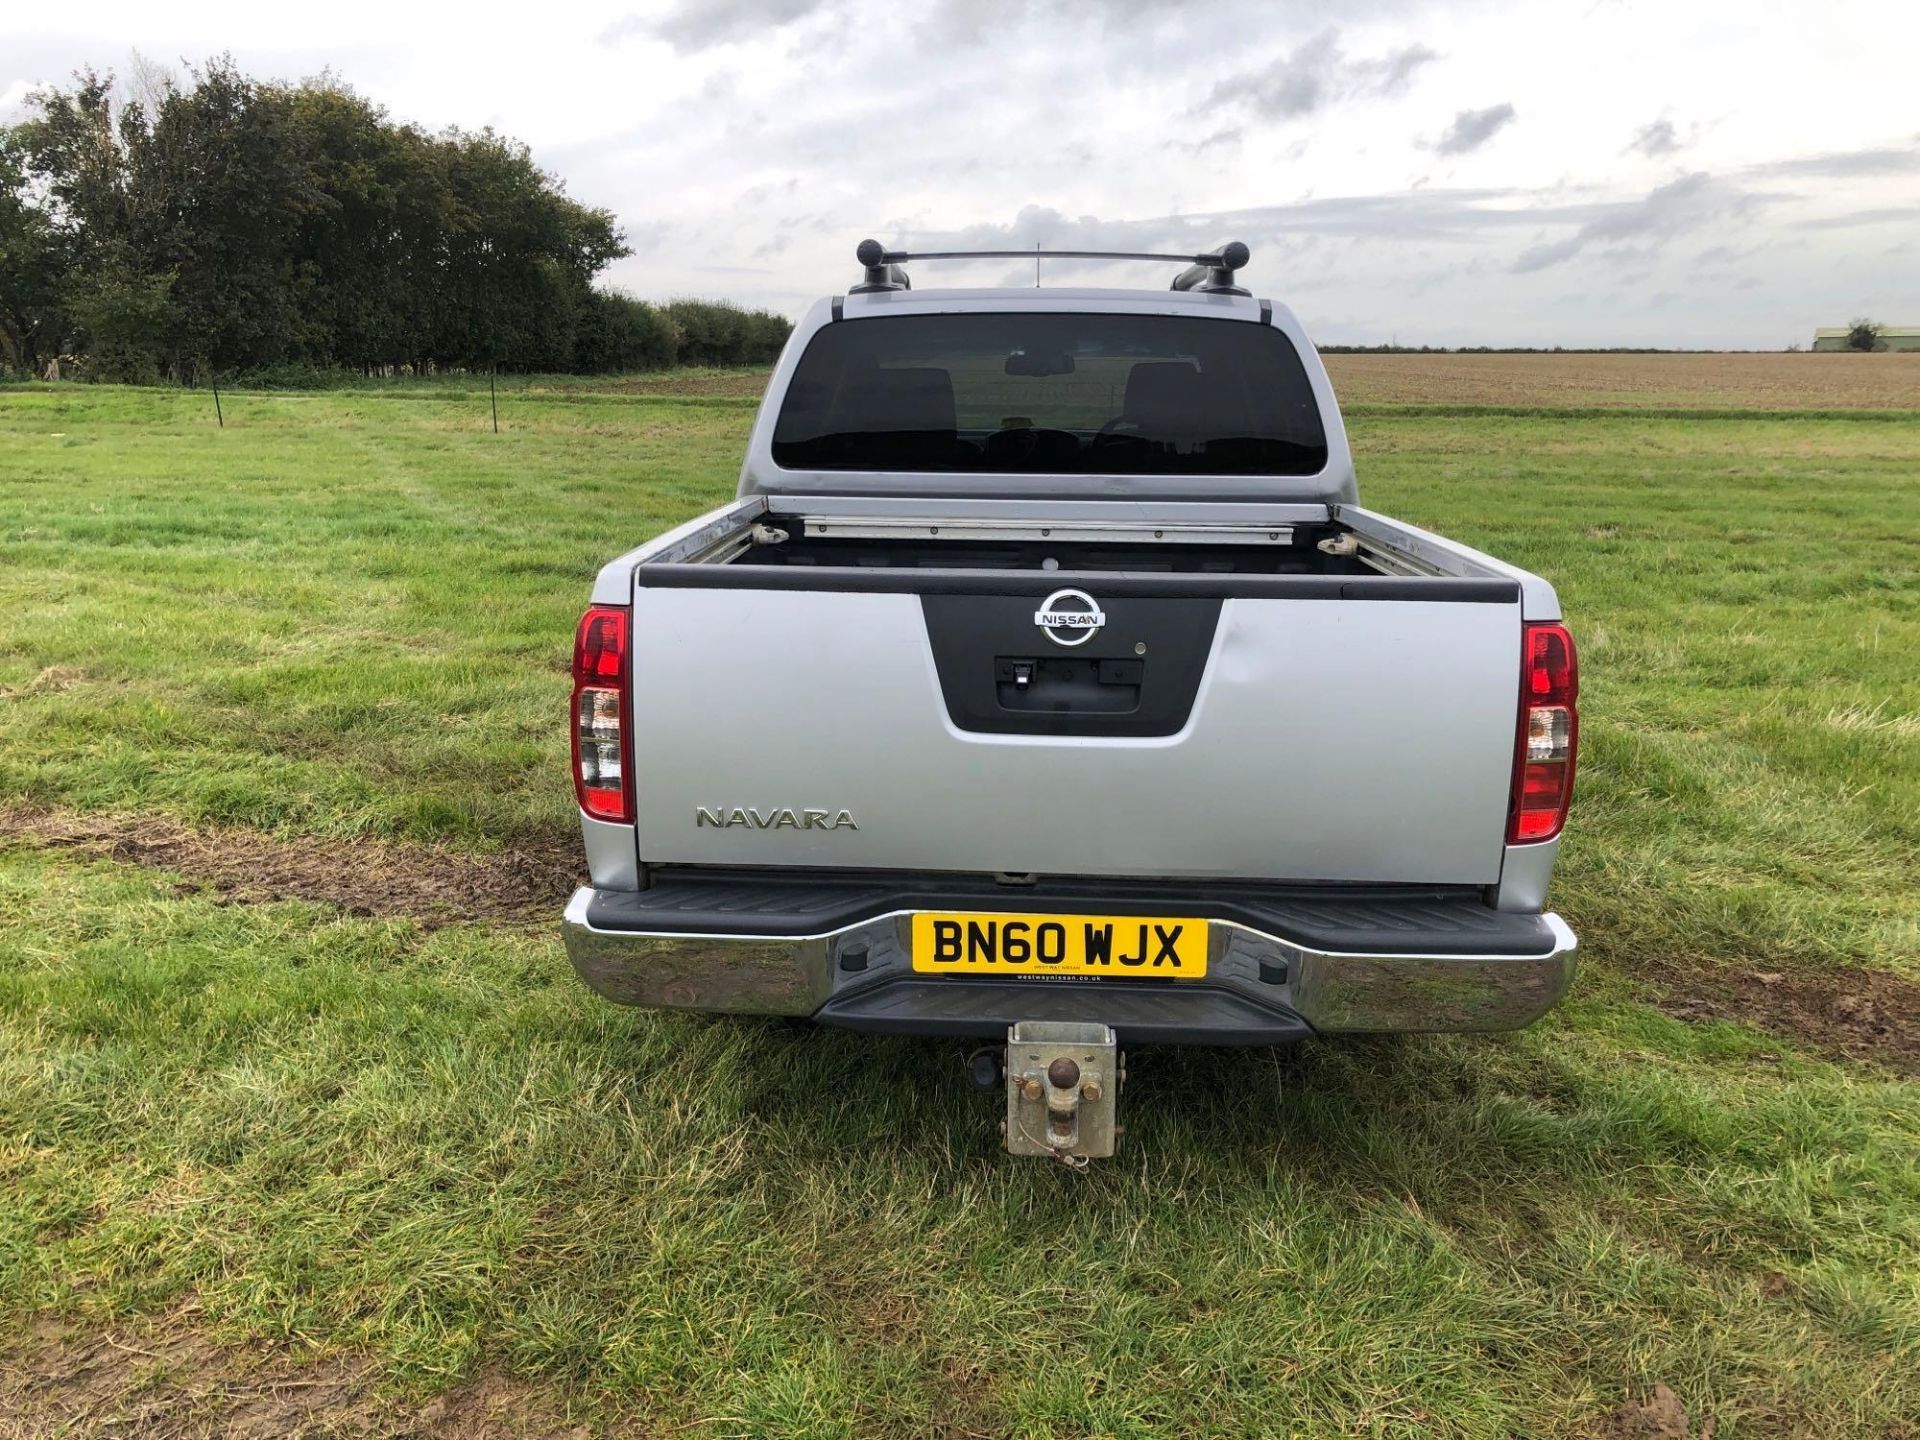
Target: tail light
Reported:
point(600, 673)
point(1549, 735)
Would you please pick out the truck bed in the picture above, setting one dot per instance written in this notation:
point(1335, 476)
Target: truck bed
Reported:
point(1254, 707)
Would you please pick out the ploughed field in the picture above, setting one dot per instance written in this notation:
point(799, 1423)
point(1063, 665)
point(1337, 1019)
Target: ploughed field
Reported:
point(305, 1121)
point(1747, 381)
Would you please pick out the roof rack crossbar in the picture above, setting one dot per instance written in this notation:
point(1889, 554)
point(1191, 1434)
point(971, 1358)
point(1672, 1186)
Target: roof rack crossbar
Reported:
point(1212, 273)
point(895, 257)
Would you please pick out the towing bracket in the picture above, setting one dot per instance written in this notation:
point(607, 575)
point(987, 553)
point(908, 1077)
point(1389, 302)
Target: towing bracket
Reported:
point(1063, 1090)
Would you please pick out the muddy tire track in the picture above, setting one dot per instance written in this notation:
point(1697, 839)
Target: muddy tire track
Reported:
point(1869, 1016)
point(168, 1381)
point(436, 885)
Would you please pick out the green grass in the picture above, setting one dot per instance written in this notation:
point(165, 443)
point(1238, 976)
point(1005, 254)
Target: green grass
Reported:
point(343, 613)
point(1747, 601)
point(348, 615)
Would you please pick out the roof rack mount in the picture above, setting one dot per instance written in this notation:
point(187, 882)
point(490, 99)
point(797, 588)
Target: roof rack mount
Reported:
point(1211, 274)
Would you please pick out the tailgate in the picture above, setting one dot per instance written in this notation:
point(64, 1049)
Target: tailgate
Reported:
point(1261, 727)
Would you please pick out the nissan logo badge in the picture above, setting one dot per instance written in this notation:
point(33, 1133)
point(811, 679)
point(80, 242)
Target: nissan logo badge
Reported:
point(1070, 617)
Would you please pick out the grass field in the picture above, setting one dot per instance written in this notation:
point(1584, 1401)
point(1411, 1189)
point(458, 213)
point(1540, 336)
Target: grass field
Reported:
point(284, 1138)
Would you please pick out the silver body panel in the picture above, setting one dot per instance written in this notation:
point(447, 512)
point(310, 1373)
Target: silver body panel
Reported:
point(1330, 740)
point(613, 860)
point(1449, 557)
point(1254, 514)
point(1524, 876)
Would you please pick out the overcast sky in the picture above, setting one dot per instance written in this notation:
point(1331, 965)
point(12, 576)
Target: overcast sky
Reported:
point(1602, 172)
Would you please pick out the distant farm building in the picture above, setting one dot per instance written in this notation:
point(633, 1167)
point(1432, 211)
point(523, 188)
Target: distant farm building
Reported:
point(1892, 337)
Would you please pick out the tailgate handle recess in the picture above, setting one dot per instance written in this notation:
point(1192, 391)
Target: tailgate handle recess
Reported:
point(1063, 686)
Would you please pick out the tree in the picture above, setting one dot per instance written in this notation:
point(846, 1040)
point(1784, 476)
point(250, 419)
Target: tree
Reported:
point(516, 260)
point(75, 155)
point(126, 316)
point(222, 183)
point(619, 333)
point(724, 334)
point(224, 223)
point(1863, 335)
point(33, 321)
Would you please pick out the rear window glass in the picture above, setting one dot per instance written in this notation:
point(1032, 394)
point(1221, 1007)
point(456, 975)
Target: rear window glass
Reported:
point(1051, 394)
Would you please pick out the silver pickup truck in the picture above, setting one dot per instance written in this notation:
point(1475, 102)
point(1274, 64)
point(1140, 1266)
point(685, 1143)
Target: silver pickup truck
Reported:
point(1047, 682)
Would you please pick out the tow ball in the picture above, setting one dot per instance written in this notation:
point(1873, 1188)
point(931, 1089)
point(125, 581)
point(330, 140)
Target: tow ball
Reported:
point(1063, 1082)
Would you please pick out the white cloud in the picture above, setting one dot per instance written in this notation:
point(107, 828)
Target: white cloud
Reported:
point(13, 99)
point(748, 144)
point(1473, 128)
point(1692, 202)
point(1317, 74)
point(1656, 139)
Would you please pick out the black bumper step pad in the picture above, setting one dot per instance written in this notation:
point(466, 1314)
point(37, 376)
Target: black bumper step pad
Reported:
point(1372, 920)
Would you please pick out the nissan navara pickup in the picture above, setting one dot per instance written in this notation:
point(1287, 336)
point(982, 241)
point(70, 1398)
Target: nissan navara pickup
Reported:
point(1047, 682)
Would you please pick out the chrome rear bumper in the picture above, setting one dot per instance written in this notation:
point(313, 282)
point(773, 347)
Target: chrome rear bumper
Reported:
point(1260, 986)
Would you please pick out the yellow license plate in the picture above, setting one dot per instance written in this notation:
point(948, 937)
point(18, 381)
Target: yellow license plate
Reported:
point(1120, 947)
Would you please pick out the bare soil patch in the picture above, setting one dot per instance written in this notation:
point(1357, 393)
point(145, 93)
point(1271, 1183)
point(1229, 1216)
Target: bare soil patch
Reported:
point(1868, 1015)
point(50, 681)
point(173, 1383)
point(1659, 1415)
point(1757, 381)
point(429, 883)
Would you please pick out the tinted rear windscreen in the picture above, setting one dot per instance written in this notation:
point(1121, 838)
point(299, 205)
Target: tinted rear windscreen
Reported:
point(1051, 394)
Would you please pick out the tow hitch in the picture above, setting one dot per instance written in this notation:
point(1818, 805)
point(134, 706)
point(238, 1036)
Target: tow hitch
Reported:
point(1063, 1082)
